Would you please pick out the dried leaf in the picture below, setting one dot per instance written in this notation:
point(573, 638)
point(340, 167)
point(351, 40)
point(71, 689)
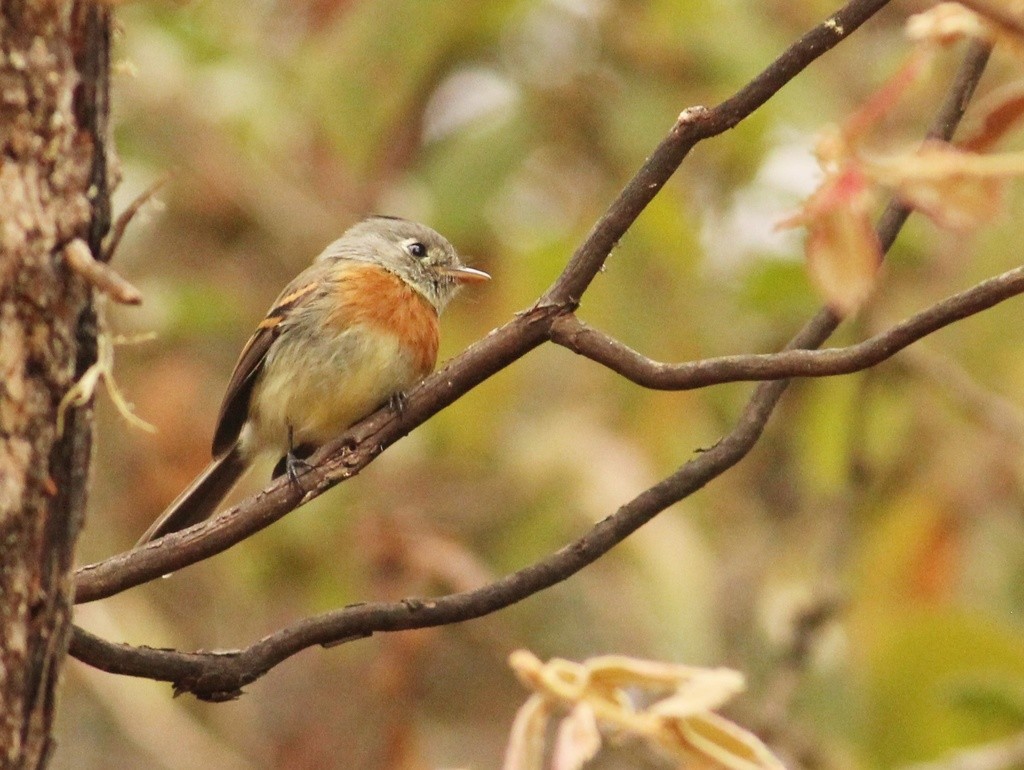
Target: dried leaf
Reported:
point(601, 693)
point(525, 750)
point(559, 678)
point(578, 741)
point(621, 670)
point(946, 23)
point(843, 256)
point(957, 189)
point(527, 667)
point(705, 691)
point(956, 202)
point(727, 743)
point(843, 253)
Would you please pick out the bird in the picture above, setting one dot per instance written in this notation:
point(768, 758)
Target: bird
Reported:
point(351, 332)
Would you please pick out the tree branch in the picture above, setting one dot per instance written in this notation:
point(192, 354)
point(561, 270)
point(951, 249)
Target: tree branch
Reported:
point(694, 125)
point(568, 331)
point(220, 676)
point(345, 457)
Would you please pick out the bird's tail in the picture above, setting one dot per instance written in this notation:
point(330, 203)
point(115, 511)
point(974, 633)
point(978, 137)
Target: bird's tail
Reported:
point(201, 498)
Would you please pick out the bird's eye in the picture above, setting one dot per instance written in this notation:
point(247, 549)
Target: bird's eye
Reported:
point(416, 249)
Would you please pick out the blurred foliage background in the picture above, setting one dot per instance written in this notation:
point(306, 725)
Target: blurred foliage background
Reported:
point(893, 496)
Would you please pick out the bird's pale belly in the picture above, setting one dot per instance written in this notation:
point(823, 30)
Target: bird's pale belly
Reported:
point(321, 388)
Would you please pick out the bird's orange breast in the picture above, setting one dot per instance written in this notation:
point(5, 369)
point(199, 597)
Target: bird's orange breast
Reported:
point(380, 300)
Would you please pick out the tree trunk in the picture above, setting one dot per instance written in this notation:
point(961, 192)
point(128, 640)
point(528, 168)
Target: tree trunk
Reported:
point(54, 64)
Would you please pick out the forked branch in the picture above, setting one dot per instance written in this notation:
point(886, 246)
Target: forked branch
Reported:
point(222, 675)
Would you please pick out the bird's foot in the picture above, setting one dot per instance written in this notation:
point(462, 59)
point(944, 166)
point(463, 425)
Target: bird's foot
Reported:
point(294, 462)
point(397, 401)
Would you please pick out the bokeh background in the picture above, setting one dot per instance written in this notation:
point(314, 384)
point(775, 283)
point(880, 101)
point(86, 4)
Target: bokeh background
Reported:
point(891, 500)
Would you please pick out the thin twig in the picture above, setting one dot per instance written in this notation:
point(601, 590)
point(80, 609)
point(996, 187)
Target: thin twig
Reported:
point(577, 336)
point(113, 239)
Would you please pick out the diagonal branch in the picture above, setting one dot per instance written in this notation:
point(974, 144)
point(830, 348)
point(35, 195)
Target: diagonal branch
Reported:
point(694, 125)
point(220, 676)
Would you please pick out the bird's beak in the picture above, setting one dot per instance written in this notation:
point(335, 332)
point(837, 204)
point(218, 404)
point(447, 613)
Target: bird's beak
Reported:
point(464, 274)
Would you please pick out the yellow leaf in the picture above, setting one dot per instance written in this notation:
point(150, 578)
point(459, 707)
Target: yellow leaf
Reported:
point(727, 743)
point(621, 670)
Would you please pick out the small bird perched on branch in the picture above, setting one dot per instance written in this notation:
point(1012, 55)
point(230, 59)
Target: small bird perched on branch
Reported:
point(353, 330)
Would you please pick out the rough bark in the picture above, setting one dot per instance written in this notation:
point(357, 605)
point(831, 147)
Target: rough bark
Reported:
point(54, 61)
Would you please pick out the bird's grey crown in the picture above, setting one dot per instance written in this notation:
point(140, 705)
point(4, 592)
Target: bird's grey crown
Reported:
point(385, 240)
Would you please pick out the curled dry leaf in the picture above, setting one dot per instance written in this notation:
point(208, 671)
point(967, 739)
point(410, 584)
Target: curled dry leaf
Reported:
point(623, 671)
point(668, 705)
point(842, 250)
point(994, 21)
point(525, 749)
point(706, 690)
